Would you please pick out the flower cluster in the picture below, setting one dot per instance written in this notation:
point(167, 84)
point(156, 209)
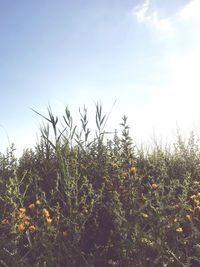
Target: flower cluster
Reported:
point(25, 221)
point(46, 215)
point(196, 201)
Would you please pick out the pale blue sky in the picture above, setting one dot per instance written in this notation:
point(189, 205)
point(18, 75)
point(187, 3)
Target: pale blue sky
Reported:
point(143, 54)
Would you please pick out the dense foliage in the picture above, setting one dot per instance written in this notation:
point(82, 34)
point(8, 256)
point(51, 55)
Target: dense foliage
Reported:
point(73, 201)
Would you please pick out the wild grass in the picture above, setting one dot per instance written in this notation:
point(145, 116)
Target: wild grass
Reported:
point(73, 201)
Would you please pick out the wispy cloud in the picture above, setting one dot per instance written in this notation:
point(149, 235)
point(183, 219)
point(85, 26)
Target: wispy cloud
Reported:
point(146, 15)
point(140, 11)
point(179, 100)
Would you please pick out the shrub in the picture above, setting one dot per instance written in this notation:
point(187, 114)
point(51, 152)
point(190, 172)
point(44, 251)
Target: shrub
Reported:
point(81, 201)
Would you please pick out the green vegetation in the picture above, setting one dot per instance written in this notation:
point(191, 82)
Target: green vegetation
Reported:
point(73, 201)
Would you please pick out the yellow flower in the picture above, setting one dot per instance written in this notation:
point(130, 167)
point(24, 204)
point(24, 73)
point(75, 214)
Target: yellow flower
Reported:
point(31, 206)
point(45, 213)
point(49, 220)
point(26, 222)
point(193, 196)
point(114, 165)
point(22, 215)
point(179, 230)
point(26, 218)
point(22, 210)
point(189, 217)
point(198, 194)
point(5, 221)
point(133, 170)
point(38, 202)
point(21, 227)
point(154, 186)
point(144, 215)
point(196, 201)
point(32, 228)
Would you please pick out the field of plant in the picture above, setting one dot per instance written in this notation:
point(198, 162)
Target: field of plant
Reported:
point(77, 202)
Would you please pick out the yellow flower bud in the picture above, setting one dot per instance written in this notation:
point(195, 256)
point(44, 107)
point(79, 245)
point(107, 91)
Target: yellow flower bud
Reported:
point(38, 202)
point(49, 220)
point(179, 230)
point(154, 186)
point(45, 213)
point(22, 210)
point(133, 170)
point(31, 206)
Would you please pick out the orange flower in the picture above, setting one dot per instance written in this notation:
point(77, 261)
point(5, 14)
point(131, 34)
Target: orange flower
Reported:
point(31, 206)
point(22, 215)
point(154, 186)
point(32, 228)
point(26, 218)
point(27, 222)
point(45, 213)
point(124, 174)
point(49, 220)
point(21, 227)
point(22, 210)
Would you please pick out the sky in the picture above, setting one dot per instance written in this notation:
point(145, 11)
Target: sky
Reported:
point(144, 56)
